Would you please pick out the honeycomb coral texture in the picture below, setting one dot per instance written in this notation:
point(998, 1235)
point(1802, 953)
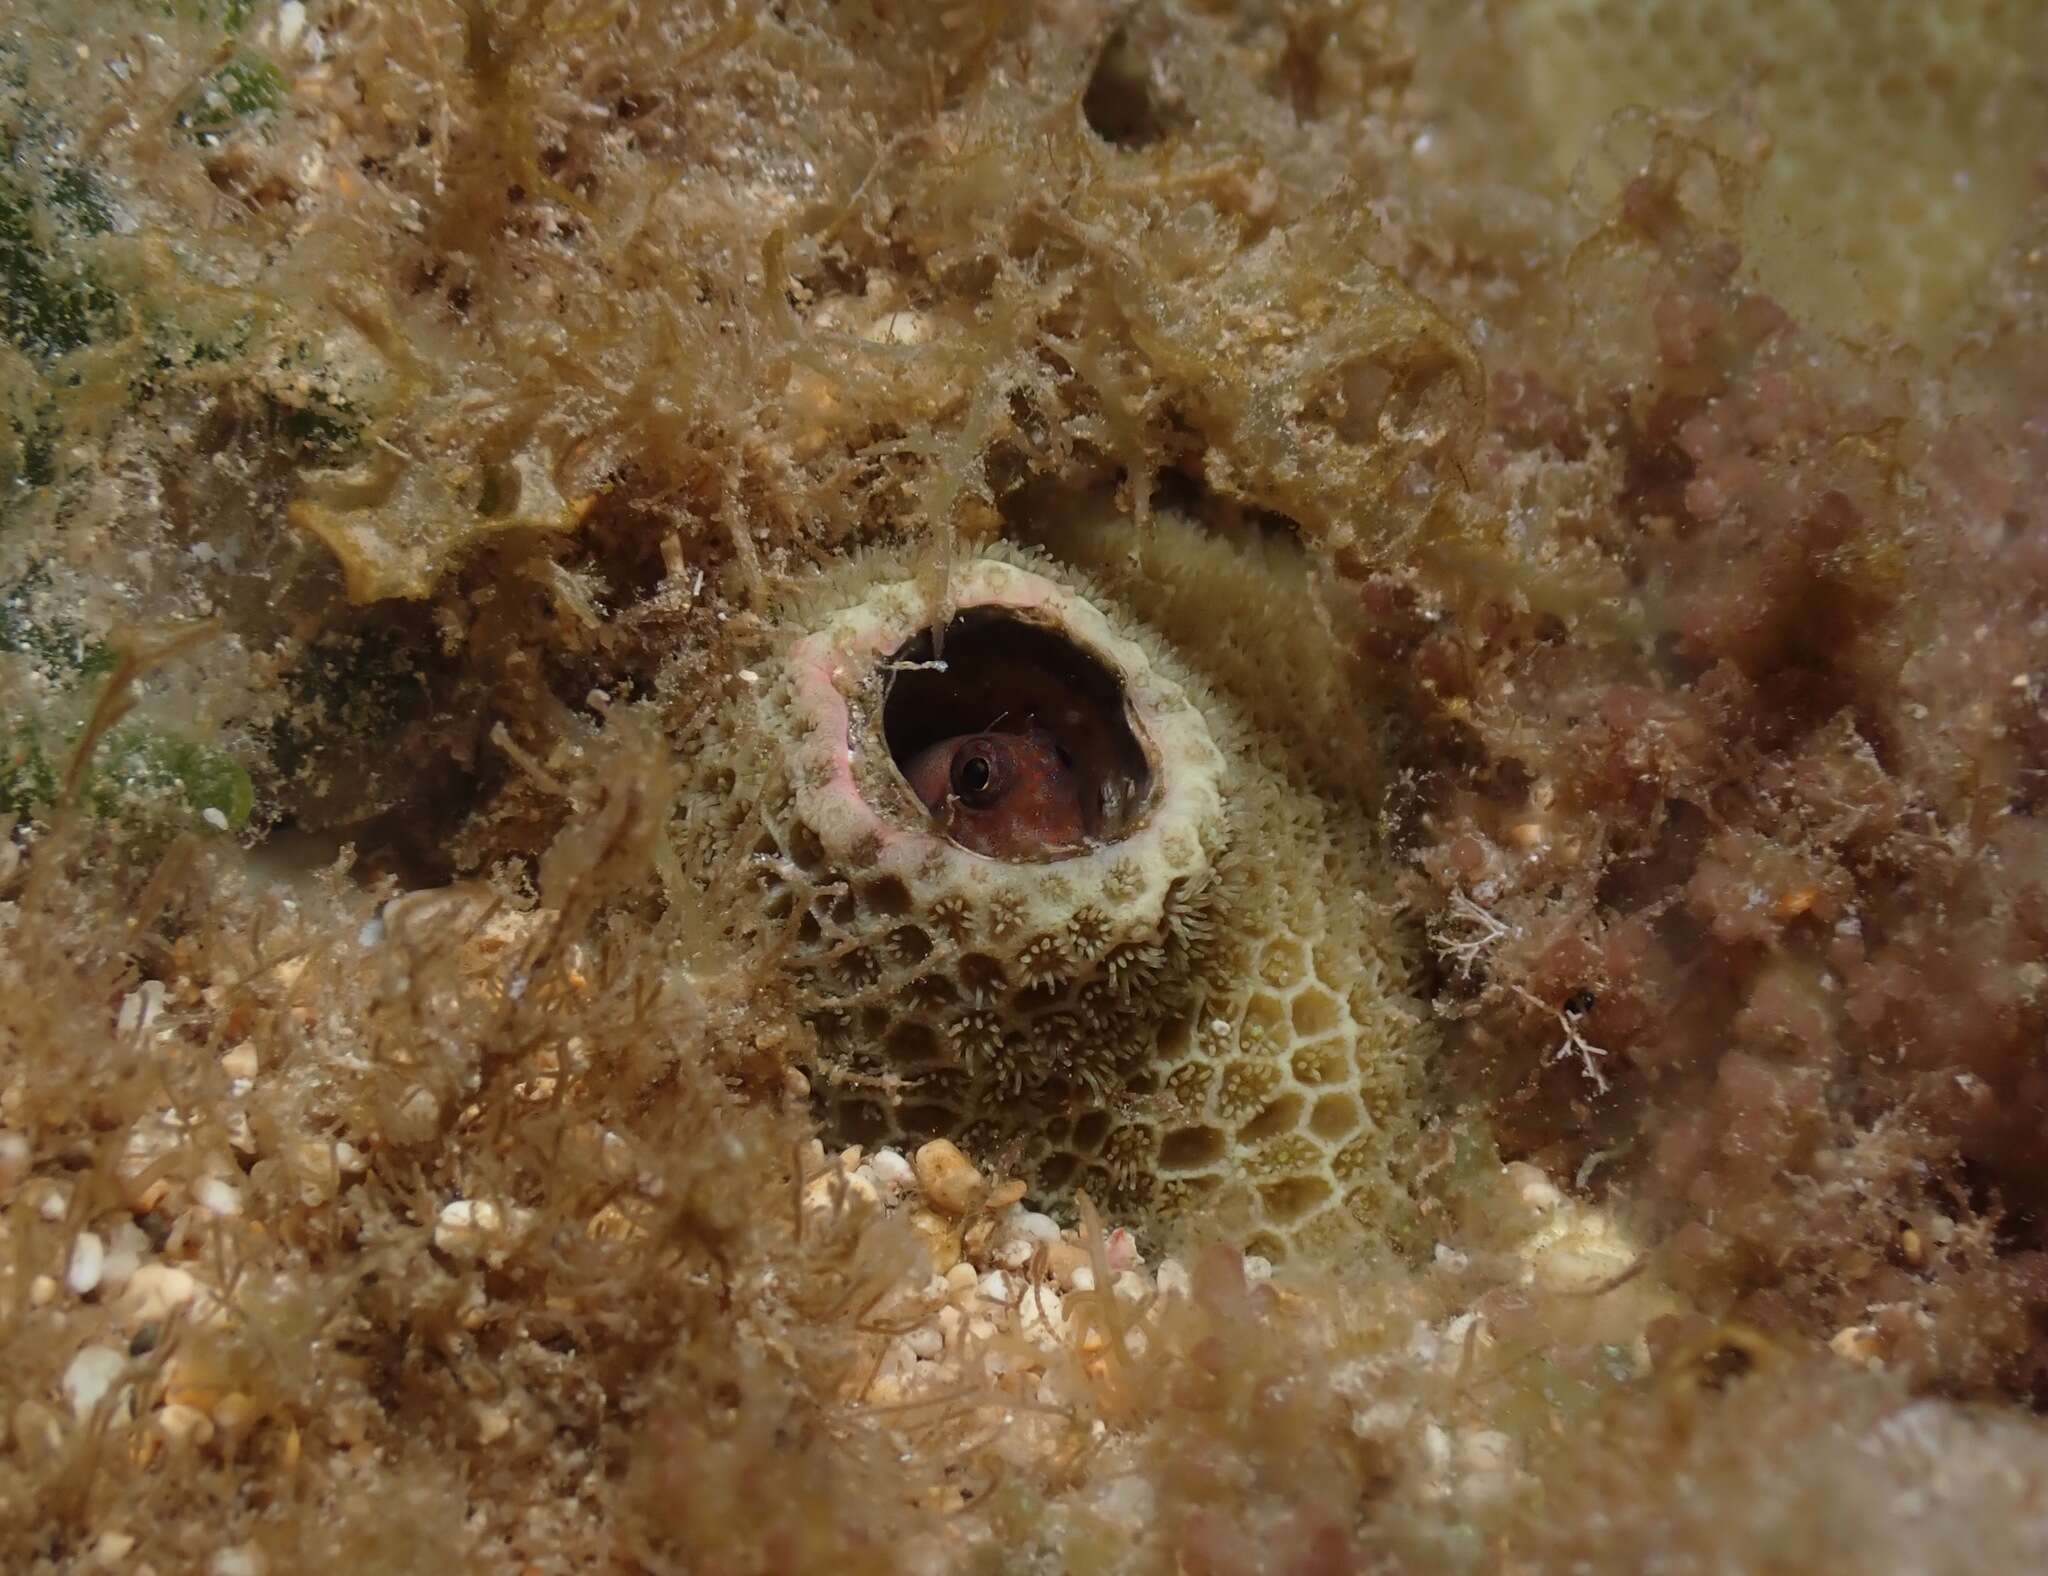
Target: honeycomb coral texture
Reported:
point(1171, 1017)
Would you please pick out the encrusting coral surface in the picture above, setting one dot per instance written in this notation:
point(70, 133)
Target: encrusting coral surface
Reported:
point(1204, 1005)
point(1061, 787)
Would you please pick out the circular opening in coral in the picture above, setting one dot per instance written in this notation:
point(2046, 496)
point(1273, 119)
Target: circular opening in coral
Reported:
point(1016, 738)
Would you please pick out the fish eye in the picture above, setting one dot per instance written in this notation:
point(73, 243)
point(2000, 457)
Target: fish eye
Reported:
point(981, 772)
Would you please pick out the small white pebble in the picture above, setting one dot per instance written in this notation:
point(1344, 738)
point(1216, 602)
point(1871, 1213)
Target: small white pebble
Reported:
point(217, 819)
point(312, 1162)
point(1039, 1228)
point(1486, 1468)
point(1531, 1185)
point(91, 1374)
point(88, 1261)
point(217, 1195)
point(291, 22)
point(1436, 1446)
point(1132, 1287)
point(38, 1433)
point(418, 1115)
point(1456, 1331)
point(15, 1159)
point(154, 1291)
point(54, 1204)
point(1381, 1419)
point(1083, 1278)
point(893, 1173)
point(237, 1412)
point(950, 1320)
point(42, 1291)
point(1485, 1450)
point(926, 1341)
point(1042, 1310)
point(1173, 1279)
point(123, 1256)
point(961, 1277)
point(111, 1548)
point(995, 1287)
point(1015, 1253)
point(240, 1062)
point(184, 1424)
point(245, 1559)
point(464, 1224)
point(835, 1190)
point(140, 1007)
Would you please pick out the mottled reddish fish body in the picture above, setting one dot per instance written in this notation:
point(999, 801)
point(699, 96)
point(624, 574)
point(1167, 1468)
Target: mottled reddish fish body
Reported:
point(1006, 795)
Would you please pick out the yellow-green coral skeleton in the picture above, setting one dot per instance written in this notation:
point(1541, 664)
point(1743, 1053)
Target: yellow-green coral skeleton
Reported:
point(1205, 1003)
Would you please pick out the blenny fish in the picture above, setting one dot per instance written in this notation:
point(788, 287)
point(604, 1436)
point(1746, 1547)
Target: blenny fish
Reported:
point(1006, 795)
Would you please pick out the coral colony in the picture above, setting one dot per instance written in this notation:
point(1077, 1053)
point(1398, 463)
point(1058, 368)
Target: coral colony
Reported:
point(1168, 1010)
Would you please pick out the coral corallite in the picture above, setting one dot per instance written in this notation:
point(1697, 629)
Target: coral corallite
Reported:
point(1202, 1003)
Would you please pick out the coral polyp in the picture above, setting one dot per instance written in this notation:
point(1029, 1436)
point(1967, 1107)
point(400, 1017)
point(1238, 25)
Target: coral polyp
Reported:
point(1083, 989)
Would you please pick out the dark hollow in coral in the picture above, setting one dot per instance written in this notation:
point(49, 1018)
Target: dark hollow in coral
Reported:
point(999, 670)
point(1119, 103)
